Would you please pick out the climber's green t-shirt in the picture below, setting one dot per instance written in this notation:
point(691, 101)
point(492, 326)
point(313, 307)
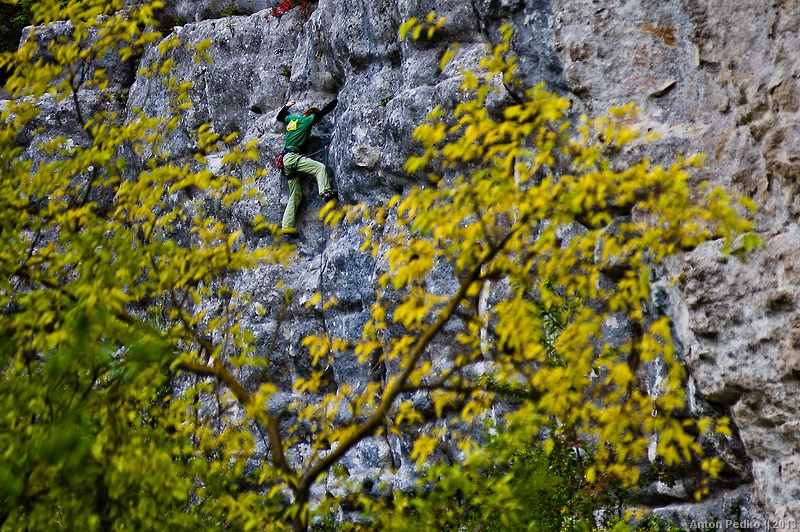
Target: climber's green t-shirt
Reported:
point(298, 129)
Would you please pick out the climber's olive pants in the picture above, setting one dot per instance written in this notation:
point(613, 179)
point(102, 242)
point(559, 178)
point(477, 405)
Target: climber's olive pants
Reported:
point(304, 166)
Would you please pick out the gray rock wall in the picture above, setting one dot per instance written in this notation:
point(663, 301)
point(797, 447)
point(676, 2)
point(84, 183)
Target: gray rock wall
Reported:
point(710, 76)
point(720, 78)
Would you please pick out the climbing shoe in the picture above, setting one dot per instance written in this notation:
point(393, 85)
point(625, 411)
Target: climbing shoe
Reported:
point(290, 232)
point(329, 196)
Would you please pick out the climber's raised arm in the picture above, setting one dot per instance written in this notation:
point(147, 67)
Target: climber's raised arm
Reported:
point(325, 110)
point(284, 112)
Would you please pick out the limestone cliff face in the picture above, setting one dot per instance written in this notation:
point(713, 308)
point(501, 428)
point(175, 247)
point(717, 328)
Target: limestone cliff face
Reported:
point(722, 79)
point(711, 76)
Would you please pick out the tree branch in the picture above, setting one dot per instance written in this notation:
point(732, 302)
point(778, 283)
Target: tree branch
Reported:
point(399, 383)
point(219, 372)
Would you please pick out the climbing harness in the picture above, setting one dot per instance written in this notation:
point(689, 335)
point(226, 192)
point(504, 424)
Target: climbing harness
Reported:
point(280, 165)
point(287, 170)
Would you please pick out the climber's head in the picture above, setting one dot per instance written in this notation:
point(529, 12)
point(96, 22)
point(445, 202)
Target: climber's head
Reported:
point(311, 111)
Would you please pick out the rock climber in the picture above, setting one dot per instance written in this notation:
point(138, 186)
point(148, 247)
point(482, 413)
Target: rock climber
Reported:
point(298, 130)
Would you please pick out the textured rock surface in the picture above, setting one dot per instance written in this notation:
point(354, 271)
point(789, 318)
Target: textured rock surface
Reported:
point(721, 79)
point(711, 76)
